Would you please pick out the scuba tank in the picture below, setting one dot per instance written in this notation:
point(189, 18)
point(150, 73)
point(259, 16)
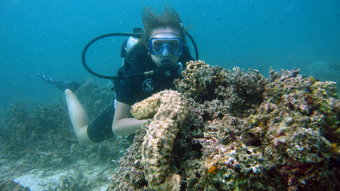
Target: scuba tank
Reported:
point(130, 42)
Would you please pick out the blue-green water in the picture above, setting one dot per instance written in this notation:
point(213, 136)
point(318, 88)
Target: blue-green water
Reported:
point(48, 36)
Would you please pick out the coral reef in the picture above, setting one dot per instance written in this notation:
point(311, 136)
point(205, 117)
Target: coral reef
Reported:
point(130, 174)
point(40, 136)
point(244, 132)
point(12, 185)
point(42, 133)
point(236, 91)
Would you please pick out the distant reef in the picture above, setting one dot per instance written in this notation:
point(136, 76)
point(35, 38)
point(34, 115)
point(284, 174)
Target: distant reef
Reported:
point(235, 130)
point(36, 143)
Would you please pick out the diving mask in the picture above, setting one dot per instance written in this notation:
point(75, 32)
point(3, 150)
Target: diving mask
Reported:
point(165, 46)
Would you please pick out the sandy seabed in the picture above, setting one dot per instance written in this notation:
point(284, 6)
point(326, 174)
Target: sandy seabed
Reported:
point(79, 175)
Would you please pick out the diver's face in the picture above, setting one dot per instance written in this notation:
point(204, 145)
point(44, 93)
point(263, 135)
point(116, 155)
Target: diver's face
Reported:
point(164, 54)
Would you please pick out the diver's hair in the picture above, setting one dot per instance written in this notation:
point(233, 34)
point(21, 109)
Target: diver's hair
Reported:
point(169, 18)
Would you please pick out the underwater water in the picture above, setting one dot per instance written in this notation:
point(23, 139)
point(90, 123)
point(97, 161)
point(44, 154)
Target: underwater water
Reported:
point(45, 36)
point(48, 36)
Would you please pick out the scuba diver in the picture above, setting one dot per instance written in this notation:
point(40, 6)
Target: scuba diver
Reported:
point(153, 58)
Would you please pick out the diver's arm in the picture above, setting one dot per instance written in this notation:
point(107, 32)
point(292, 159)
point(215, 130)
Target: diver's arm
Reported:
point(123, 122)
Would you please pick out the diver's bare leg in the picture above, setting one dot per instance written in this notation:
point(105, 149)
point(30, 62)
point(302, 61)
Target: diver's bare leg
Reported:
point(78, 116)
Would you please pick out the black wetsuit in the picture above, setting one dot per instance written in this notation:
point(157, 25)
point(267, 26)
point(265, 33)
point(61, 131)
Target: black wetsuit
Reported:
point(134, 89)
